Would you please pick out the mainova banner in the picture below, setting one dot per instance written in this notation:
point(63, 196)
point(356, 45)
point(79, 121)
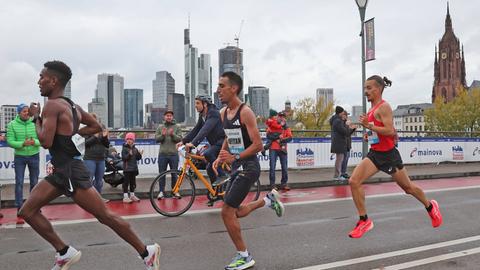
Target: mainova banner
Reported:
point(302, 153)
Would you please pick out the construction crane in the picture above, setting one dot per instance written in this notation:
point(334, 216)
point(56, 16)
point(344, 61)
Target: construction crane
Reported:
point(237, 36)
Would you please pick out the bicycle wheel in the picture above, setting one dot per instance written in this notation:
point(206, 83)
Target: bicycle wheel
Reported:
point(169, 205)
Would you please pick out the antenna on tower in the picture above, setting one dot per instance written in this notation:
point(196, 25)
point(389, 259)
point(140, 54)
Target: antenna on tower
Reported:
point(189, 20)
point(237, 36)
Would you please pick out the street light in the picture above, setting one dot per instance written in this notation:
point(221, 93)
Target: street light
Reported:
point(362, 6)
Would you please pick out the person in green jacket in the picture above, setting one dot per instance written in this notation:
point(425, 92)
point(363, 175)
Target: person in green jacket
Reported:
point(22, 136)
point(168, 135)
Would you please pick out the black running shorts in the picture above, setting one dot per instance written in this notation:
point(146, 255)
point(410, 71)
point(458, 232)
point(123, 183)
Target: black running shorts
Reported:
point(72, 175)
point(239, 187)
point(387, 162)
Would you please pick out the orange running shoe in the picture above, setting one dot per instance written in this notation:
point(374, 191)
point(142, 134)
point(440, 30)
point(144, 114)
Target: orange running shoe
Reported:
point(361, 228)
point(435, 214)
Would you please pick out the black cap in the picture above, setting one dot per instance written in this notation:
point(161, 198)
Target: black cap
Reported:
point(168, 111)
point(338, 110)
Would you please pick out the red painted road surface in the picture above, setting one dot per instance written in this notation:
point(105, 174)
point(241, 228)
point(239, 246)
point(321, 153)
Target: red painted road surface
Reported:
point(65, 212)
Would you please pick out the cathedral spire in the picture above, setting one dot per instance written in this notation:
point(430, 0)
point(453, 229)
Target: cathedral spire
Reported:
point(448, 20)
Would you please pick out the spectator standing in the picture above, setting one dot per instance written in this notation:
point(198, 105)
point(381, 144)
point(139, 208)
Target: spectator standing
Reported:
point(130, 156)
point(350, 130)
point(168, 135)
point(94, 158)
point(22, 136)
point(339, 141)
point(278, 149)
point(2, 139)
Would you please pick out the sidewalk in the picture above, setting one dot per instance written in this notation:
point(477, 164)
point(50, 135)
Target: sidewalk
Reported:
point(297, 179)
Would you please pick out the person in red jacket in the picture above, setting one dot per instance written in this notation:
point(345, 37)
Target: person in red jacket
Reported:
point(274, 130)
point(278, 149)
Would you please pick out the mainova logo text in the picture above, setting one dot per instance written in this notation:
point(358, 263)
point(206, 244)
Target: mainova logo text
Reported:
point(425, 152)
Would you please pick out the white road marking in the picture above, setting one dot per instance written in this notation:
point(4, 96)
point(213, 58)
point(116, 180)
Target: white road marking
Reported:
point(197, 212)
point(433, 259)
point(392, 254)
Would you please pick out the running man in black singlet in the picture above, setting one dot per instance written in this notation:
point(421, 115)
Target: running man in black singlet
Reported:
point(58, 130)
point(240, 149)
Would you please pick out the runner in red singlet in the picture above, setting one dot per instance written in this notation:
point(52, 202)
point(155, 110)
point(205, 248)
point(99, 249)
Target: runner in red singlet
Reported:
point(383, 156)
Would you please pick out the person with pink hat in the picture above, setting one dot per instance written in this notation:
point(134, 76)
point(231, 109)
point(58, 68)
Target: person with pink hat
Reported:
point(130, 155)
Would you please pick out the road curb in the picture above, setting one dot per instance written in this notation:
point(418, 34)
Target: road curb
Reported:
point(310, 184)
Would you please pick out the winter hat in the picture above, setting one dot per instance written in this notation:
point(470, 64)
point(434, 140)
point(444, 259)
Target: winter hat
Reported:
point(338, 110)
point(21, 106)
point(272, 113)
point(130, 135)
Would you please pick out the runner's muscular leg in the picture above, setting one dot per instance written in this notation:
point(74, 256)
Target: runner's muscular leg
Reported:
point(403, 180)
point(90, 201)
point(41, 195)
point(362, 172)
point(232, 224)
point(245, 210)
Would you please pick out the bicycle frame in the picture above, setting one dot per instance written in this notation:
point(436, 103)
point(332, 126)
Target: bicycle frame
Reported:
point(189, 164)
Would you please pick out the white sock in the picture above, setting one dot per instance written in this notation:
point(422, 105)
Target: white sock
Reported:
point(267, 201)
point(132, 194)
point(125, 195)
point(243, 253)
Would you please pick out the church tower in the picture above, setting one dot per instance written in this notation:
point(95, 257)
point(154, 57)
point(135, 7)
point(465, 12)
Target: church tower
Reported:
point(449, 67)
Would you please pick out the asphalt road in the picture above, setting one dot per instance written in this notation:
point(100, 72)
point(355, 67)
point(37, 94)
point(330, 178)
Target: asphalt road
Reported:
point(312, 235)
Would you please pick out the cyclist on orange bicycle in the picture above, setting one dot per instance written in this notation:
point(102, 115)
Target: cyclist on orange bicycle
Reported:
point(209, 125)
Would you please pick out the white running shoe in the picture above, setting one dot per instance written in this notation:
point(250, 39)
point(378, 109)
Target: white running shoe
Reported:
point(64, 262)
point(160, 195)
point(152, 261)
point(134, 198)
point(127, 200)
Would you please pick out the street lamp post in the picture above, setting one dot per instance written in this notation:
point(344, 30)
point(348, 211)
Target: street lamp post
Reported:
point(362, 6)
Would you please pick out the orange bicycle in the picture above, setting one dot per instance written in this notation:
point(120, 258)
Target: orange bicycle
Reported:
point(171, 206)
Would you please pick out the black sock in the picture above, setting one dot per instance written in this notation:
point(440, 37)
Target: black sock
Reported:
point(144, 254)
point(364, 218)
point(429, 209)
point(63, 251)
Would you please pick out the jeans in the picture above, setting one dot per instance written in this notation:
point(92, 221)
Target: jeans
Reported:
point(33, 171)
point(97, 170)
point(163, 161)
point(273, 154)
point(211, 155)
point(338, 164)
point(345, 162)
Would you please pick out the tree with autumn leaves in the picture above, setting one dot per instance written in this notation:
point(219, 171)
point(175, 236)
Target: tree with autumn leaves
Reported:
point(462, 114)
point(312, 114)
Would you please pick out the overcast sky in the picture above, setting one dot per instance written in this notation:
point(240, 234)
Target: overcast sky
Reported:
point(291, 47)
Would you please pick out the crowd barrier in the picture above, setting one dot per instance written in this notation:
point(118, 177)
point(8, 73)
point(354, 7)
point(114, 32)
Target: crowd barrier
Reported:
point(302, 153)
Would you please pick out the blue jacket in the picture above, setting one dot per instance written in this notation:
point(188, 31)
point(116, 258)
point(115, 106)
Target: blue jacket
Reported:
point(211, 128)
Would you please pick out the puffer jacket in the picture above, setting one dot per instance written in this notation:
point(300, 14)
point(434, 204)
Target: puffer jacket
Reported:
point(19, 130)
point(130, 155)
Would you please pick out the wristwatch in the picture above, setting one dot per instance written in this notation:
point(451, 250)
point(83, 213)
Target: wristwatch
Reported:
point(237, 157)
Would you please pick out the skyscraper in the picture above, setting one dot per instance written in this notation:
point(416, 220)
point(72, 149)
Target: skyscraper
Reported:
point(204, 75)
point(176, 103)
point(198, 77)
point(110, 89)
point(162, 85)
point(133, 108)
point(326, 94)
point(148, 123)
point(68, 90)
point(97, 106)
point(7, 114)
point(230, 58)
point(259, 100)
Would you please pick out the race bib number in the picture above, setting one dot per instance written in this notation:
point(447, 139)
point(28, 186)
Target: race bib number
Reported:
point(372, 136)
point(79, 143)
point(235, 140)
